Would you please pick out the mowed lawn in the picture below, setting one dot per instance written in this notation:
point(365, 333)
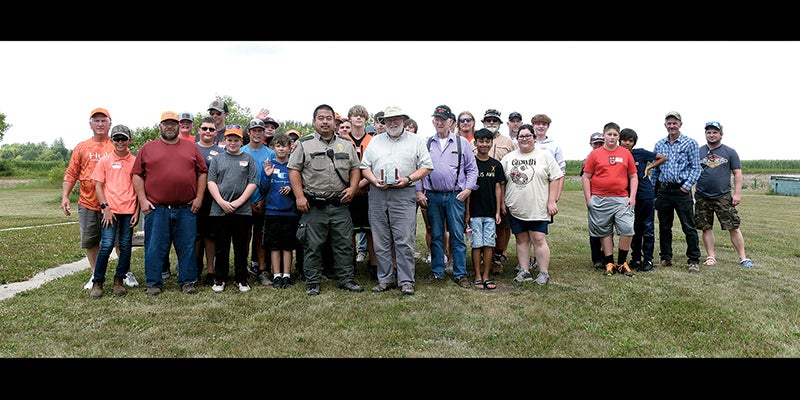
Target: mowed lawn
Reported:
point(725, 311)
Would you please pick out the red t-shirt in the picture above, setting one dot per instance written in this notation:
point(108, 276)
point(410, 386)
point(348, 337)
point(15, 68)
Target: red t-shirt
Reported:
point(611, 170)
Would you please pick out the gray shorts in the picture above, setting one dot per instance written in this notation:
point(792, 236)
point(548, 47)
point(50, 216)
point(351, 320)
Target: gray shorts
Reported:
point(91, 223)
point(607, 213)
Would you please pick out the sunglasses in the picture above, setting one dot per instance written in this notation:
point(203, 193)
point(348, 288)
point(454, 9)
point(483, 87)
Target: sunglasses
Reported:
point(119, 139)
point(465, 120)
point(215, 113)
point(233, 127)
point(207, 129)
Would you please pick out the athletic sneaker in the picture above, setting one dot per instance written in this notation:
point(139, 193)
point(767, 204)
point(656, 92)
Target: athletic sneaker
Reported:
point(542, 278)
point(218, 286)
point(624, 269)
point(694, 268)
point(130, 280)
point(253, 268)
point(523, 276)
point(165, 275)
point(428, 259)
point(361, 256)
point(610, 269)
point(747, 263)
point(263, 278)
point(88, 285)
point(243, 286)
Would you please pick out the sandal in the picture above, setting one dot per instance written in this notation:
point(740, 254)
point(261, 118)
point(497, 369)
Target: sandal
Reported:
point(489, 285)
point(478, 284)
point(710, 261)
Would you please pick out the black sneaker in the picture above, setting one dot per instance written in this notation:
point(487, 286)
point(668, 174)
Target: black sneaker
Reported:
point(312, 289)
point(636, 265)
point(287, 281)
point(647, 266)
point(277, 283)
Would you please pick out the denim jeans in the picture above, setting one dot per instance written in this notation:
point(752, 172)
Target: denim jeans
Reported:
point(163, 225)
point(445, 207)
point(121, 225)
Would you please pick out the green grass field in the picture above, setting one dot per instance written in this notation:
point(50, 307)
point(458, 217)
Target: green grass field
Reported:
point(726, 311)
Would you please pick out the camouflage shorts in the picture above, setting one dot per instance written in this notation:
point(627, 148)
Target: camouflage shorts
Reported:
point(705, 209)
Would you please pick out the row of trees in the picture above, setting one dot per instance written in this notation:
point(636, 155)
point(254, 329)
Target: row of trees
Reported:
point(57, 152)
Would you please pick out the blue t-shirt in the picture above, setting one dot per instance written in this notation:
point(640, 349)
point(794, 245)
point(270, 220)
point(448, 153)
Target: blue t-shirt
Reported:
point(260, 156)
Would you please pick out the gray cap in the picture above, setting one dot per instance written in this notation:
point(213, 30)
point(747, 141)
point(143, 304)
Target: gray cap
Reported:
point(596, 137)
point(185, 115)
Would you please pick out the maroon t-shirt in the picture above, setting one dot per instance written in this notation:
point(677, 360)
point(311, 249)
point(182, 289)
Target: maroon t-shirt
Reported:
point(170, 171)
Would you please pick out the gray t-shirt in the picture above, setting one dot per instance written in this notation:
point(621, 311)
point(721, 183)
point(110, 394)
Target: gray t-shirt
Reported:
point(232, 174)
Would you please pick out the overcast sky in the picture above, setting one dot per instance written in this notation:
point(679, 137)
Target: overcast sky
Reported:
point(752, 88)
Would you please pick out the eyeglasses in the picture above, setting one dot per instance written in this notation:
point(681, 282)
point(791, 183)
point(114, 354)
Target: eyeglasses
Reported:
point(207, 129)
point(233, 127)
point(119, 139)
point(524, 137)
point(465, 120)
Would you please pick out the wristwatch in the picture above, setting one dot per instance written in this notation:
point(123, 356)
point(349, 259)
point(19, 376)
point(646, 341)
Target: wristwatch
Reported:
point(103, 206)
point(409, 180)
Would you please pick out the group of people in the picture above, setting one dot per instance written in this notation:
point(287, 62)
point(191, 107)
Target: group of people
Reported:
point(625, 187)
point(325, 195)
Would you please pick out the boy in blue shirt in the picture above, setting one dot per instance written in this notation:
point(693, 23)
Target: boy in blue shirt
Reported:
point(644, 238)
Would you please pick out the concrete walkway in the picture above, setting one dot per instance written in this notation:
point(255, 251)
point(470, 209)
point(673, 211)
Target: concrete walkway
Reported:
point(9, 290)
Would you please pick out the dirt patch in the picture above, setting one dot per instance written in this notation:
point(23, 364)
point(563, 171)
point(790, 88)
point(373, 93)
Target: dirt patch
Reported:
point(12, 182)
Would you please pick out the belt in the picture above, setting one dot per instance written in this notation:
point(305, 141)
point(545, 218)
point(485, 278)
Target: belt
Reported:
point(669, 185)
point(173, 206)
point(440, 191)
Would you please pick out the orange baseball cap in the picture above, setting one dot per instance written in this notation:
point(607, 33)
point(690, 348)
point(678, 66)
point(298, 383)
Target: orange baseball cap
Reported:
point(167, 115)
point(234, 130)
point(100, 110)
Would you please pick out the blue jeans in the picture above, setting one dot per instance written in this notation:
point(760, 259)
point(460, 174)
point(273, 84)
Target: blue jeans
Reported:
point(445, 207)
point(108, 236)
point(163, 225)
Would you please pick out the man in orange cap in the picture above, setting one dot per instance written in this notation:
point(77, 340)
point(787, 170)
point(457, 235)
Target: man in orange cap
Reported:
point(81, 165)
point(169, 177)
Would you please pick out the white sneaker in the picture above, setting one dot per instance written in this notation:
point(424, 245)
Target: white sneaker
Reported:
point(428, 259)
point(361, 256)
point(218, 287)
point(88, 285)
point(130, 280)
point(448, 268)
point(243, 286)
point(523, 276)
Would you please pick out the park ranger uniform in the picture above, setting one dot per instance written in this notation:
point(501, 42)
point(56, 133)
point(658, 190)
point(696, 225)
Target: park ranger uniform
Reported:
point(325, 168)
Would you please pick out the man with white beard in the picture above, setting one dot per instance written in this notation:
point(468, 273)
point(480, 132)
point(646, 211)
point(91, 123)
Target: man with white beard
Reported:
point(392, 163)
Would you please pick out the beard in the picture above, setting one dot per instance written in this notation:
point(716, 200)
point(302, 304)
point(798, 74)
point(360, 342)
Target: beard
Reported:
point(169, 135)
point(493, 128)
point(394, 131)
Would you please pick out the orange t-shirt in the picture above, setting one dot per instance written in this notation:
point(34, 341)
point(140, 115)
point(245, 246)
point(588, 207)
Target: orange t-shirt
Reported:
point(81, 165)
point(115, 174)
